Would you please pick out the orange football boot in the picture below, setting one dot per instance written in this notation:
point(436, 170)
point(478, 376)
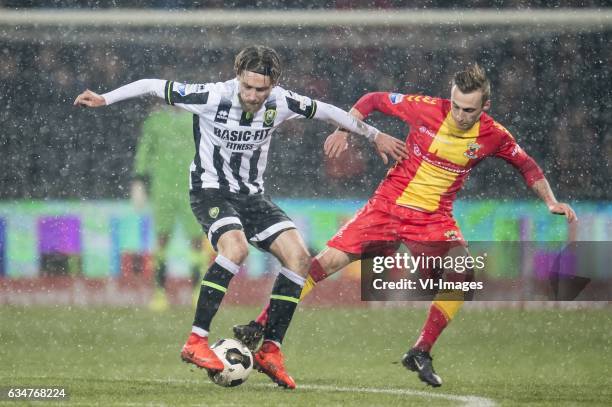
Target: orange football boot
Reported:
point(196, 351)
point(269, 360)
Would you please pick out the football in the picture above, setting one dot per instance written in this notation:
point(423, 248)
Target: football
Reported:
point(238, 362)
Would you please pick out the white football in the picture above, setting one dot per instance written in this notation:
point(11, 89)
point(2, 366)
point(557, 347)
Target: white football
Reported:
point(238, 362)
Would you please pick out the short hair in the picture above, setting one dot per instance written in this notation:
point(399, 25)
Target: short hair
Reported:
point(259, 59)
point(471, 79)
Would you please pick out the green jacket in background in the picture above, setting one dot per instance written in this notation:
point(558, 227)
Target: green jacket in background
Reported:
point(164, 152)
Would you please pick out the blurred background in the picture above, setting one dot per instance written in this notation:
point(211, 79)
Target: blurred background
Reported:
point(66, 173)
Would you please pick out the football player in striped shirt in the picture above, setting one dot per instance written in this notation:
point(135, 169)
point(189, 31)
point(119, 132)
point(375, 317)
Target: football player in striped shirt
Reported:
point(413, 203)
point(233, 124)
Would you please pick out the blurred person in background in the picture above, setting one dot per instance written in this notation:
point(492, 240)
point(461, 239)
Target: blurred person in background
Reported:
point(164, 150)
point(413, 203)
point(233, 124)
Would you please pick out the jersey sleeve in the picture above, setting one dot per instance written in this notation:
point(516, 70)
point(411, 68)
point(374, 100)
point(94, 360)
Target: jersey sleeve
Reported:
point(189, 96)
point(510, 151)
point(297, 106)
point(404, 107)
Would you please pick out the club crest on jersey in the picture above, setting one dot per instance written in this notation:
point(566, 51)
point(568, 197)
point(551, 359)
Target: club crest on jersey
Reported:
point(472, 150)
point(182, 89)
point(269, 117)
point(213, 212)
point(395, 98)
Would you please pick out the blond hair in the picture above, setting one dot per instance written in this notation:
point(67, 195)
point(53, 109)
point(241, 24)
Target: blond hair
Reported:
point(259, 59)
point(471, 79)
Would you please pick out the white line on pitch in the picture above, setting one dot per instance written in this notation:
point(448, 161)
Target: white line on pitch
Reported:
point(472, 401)
point(467, 400)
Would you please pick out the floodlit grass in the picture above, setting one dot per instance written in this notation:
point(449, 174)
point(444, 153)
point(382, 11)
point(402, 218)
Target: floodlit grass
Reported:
point(112, 356)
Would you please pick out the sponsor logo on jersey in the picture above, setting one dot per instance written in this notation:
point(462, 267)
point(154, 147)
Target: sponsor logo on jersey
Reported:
point(269, 117)
point(395, 98)
point(472, 150)
point(222, 115)
point(223, 111)
point(241, 135)
point(431, 134)
point(182, 89)
point(213, 212)
point(239, 147)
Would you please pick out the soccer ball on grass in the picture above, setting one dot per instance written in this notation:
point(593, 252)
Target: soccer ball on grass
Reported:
point(238, 362)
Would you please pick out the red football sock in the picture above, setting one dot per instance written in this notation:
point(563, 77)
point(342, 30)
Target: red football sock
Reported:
point(434, 325)
point(262, 319)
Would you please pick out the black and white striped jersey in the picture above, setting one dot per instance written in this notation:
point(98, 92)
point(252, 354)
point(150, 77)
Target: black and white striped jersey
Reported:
point(232, 145)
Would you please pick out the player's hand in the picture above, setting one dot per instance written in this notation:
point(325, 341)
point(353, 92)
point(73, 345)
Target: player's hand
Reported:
point(560, 208)
point(89, 99)
point(336, 143)
point(389, 145)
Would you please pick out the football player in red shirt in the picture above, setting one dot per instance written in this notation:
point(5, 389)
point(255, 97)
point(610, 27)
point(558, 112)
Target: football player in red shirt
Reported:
point(447, 138)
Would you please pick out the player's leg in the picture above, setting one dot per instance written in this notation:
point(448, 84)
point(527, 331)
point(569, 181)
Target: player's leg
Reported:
point(160, 259)
point(233, 249)
point(220, 220)
point(163, 219)
point(329, 261)
point(159, 302)
point(444, 306)
point(326, 263)
point(418, 358)
point(290, 249)
point(344, 248)
point(197, 259)
point(269, 228)
point(442, 310)
point(200, 250)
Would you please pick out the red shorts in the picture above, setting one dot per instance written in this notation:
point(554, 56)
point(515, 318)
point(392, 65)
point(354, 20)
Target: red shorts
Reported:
point(382, 225)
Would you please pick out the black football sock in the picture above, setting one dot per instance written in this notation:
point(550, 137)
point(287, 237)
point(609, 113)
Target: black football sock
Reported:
point(283, 301)
point(195, 276)
point(214, 285)
point(160, 270)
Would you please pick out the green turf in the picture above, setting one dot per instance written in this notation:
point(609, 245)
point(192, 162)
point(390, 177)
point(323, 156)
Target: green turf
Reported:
point(129, 357)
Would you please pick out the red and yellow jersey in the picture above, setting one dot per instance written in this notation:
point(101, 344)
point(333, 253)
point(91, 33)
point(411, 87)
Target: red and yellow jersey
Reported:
point(440, 154)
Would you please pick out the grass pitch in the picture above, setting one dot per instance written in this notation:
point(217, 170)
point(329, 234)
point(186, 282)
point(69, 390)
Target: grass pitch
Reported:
point(130, 357)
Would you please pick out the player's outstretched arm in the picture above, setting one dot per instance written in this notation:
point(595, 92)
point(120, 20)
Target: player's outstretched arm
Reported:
point(385, 144)
point(142, 87)
point(89, 99)
point(511, 152)
point(335, 115)
point(542, 188)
